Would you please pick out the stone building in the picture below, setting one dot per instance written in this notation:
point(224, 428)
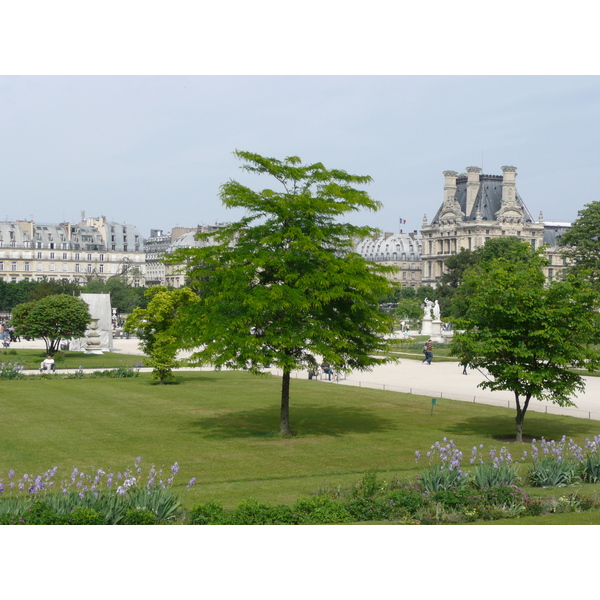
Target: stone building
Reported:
point(402, 250)
point(75, 252)
point(477, 208)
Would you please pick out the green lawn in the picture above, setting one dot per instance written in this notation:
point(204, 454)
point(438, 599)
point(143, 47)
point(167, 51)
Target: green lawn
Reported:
point(222, 429)
point(31, 359)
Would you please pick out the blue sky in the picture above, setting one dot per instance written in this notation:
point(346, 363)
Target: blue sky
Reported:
point(153, 150)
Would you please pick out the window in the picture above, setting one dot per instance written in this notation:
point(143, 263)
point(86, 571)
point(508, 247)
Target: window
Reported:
point(52, 257)
point(89, 256)
point(2, 266)
point(89, 268)
point(101, 257)
point(65, 267)
point(77, 256)
point(27, 266)
point(101, 268)
point(65, 256)
point(39, 266)
point(77, 268)
point(39, 255)
point(53, 266)
point(13, 266)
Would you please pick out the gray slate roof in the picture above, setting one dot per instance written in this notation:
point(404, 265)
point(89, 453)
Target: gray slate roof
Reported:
point(489, 199)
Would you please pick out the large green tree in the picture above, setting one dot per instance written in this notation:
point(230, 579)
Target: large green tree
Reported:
point(510, 249)
point(282, 286)
point(53, 318)
point(528, 337)
point(153, 326)
point(581, 244)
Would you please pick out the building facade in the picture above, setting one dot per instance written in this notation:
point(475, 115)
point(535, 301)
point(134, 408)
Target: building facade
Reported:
point(477, 208)
point(401, 250)
point(75, 252)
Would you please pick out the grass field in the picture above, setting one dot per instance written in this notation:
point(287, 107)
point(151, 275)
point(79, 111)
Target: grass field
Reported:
point(222, 429)
point(31, 359)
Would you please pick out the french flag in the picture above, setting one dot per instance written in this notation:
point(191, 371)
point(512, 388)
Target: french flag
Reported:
point(402, 221)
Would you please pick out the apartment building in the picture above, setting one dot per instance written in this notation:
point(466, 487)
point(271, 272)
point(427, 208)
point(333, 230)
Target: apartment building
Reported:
point(93, 248)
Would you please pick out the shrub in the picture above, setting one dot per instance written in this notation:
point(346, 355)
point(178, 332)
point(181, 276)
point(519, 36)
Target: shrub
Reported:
point(209, 513)
point(10, 519)
point(139, 516)
point(86, 516)
point(39, 513)
point(320, 510)
point(371, 509)
point(252, 512)
point(368, 486)
point(505, 496)
point(407, 500)
point(456, 498)
point(533, 508)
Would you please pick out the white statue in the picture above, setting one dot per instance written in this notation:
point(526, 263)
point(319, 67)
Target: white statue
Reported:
point(427, 305)
point(436, 311)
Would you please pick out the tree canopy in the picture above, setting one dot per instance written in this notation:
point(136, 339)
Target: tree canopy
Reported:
point(452, 293)
point(53, 318)
point(581, 244)
point(526, 336)
point(153, 326)
point(282, 286)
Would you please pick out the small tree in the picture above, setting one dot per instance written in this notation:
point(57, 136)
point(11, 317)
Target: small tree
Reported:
point(282, 286)
point(529, 337)
point(53, 318)
point(153, 326)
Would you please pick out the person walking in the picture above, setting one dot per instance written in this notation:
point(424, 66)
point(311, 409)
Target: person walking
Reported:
point(428, 351)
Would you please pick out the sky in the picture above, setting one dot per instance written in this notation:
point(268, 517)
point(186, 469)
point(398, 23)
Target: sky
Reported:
point(152, 151)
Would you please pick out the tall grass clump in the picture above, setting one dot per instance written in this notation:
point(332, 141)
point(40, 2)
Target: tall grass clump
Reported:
point(444, 471)
point(113, 496)
point(499, 470)
point(555, 464)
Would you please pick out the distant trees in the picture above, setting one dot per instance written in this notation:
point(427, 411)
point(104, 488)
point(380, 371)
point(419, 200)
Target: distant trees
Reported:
point(53, 318)
point(124, 297)
point(509, 248)
point(581, 244)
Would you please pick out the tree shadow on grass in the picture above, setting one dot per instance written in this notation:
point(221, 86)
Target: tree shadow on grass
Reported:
point(503, 428)
point(306, 421)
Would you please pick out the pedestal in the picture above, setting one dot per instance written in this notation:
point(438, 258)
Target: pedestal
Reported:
point(436, 332)
point(426, 326)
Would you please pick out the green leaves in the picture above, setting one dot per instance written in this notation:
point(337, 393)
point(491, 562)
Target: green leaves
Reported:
point(52, 318)
point(282, 286)
point(527, 335)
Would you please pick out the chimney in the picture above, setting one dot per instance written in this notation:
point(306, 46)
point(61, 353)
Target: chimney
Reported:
point(509, 184)
point(472, 188)
point(449, 186)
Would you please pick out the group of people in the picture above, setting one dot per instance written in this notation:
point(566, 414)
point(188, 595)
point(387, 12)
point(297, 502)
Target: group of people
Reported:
point(7, 335)
point(325, 367)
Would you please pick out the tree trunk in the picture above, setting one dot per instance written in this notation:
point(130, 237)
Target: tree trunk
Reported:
point(521, 417)
point(284, 424)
